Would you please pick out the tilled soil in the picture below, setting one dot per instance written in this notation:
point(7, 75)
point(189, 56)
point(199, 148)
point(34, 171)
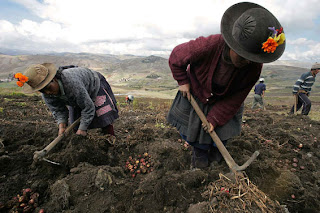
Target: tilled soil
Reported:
point(93, 174)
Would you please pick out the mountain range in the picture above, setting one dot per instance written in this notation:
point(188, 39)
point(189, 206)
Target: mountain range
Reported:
point(148, 73)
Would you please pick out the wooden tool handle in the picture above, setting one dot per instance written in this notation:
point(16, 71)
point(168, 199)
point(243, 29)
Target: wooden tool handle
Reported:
point(43, 152)
point(295, 97)
point(229, 160)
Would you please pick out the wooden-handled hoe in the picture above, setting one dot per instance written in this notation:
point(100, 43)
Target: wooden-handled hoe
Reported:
point(39, 155)
point(227, 157)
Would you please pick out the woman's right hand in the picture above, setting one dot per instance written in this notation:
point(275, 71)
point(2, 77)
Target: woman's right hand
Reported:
point(185, 90)
point(62, 128)
point(209, 128)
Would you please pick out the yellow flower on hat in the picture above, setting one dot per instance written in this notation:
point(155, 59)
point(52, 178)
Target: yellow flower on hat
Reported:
point(280, 38)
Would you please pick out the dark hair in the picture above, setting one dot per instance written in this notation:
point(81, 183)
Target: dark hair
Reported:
point(44, 88)
point(226, 54)
point(59, 71)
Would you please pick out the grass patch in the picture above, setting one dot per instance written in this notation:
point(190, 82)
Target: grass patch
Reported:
point(21, 104)
point(314, 115)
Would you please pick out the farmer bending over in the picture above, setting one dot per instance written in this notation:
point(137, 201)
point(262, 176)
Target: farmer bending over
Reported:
point(71, 92)
point(302, 89)
point(129, 99)
point(219, 71)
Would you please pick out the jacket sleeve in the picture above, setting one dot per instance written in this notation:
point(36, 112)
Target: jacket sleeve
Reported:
point(57, 107)
point(298, 83)
point(183, 54)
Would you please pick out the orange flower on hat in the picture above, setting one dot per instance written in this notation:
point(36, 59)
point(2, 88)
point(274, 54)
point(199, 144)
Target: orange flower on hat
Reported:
point(21, 79)
point(18, 75)
point(270, 45)
point(19, 83)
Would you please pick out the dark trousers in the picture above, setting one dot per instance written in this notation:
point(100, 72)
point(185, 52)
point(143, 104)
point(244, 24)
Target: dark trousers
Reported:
point(304, 101)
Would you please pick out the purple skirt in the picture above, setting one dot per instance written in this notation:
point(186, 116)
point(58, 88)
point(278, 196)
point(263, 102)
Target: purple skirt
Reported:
point(105, 107)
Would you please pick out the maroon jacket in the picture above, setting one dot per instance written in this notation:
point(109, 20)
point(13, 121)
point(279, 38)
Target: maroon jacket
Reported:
point(212, 79)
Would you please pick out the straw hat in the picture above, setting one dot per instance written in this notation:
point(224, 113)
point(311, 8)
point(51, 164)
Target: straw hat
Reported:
point(39, 75)
point(244, 27)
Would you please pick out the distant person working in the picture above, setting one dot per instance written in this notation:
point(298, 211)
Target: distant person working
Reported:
point(259, 91)
point(302, 89)
point(129, 99)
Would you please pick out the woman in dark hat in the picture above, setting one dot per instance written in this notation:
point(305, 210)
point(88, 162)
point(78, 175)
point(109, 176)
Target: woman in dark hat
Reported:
point(71, 92)
point(219, 71)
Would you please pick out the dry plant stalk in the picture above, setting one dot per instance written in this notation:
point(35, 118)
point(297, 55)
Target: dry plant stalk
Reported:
point(240, 195)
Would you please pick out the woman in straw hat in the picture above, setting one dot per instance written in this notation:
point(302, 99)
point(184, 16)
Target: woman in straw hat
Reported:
point(219, 71)
point(71, 92)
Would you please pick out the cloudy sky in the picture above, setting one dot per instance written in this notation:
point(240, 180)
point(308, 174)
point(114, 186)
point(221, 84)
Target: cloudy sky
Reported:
point(142, 27)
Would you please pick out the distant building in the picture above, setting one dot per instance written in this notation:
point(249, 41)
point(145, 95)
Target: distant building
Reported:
point(5, 80)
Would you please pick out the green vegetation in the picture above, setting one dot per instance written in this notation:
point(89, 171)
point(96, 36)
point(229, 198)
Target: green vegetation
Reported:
point(21, 104)
point(150, 106)
point(314, 114)
point(160, 125)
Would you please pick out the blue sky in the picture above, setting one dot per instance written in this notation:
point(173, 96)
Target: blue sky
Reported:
point(142, 27)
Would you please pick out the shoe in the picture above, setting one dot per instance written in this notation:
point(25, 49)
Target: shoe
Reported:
point(199, 158)
point(215, 155)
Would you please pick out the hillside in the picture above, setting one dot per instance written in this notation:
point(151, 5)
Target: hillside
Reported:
point(281, 75)
point(147, 76)
point(126, 73)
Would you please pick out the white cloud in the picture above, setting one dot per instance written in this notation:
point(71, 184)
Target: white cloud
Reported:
point(6, 27)
point(301, 42)
point(143, 27)
point(296, 15)
point(303, 49)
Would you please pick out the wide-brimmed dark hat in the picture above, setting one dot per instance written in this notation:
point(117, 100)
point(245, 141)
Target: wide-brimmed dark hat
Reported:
point(39, 76)
point(244, 27)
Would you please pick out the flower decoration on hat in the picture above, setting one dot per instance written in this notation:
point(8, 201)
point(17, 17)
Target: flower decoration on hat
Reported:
point(21, 79)
point(277, 38)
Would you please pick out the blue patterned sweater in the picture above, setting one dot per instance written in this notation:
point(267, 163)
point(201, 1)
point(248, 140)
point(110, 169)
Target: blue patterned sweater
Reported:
point(305, 82)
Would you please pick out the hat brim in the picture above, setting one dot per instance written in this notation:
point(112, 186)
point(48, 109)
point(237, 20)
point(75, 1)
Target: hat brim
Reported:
point(51, 73)
point(227, 22)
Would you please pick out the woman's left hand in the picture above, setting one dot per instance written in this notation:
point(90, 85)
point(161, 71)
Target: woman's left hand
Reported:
point(81, 132)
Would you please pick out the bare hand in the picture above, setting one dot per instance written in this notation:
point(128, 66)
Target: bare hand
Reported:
point(185, 90)
point(206, 128)
point(81, 132)
point(62, 128)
